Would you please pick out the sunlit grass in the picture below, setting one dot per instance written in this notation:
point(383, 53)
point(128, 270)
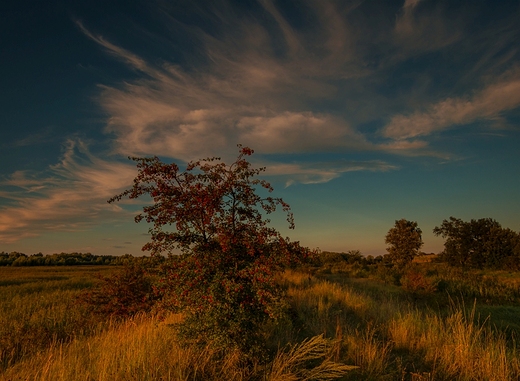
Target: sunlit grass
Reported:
point(142, 348)
point(392, 338)
point(333, 322)
point(37, 308)
point(145, 348)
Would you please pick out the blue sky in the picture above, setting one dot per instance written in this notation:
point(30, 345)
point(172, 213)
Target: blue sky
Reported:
point(363, 112)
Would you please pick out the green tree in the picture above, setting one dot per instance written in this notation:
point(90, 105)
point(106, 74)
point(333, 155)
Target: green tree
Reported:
point(223, 279)
point(405, 240)
point(478, 243)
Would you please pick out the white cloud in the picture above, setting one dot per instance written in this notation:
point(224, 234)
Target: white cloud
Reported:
point(290, 132)
point(131, 59)
point(429, 30)
point(251, 94)
point(70, 198)
point(246, 94)
point(489, 103)
point(322, 172)
point(411, 3)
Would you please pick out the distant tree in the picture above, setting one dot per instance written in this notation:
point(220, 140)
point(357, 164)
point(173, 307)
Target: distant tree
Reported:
point(353, 256)
point(405, 240)
point(223, 280)
point(478, 243)
point(330, 257)
point(513, 262)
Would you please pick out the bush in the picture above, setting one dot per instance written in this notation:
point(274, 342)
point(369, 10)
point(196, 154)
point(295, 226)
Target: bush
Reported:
point(223, 281)
point(122, 294)
point(389, 274)
point(415, 282)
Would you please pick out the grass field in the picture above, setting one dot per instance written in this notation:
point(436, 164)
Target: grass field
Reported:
point(37, 308)
point(386, 332)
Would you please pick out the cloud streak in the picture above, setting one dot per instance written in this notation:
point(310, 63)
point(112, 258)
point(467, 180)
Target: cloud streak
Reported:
point(72, 197)
point(262, 82)
point(487, 104)
point(246, 95)
point(322, 172)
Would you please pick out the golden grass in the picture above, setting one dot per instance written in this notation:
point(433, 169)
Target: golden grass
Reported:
point(333, 324)
point(37, 308)
point(145, 348)
point(142, 348)
point(389, 338)
point(291, 365)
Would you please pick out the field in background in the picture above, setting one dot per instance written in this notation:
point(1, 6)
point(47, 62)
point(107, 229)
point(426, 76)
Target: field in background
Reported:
point(37, 308)
point(388, 332)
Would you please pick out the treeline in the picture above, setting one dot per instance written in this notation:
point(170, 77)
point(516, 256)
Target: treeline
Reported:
point(64, 259)
point(481, 243)
point(475, 244)
point(351, 263)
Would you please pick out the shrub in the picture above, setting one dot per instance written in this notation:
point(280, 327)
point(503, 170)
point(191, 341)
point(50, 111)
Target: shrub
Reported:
point(122, 294)
point(223, 280)
point(417, 283)
point(389, 274)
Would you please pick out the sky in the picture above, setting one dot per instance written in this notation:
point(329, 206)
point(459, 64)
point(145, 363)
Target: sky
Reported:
point(363, 113)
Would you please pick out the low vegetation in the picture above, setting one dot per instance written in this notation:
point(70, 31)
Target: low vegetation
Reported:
point(60, 259)
point(38, 309)
point(352, 328)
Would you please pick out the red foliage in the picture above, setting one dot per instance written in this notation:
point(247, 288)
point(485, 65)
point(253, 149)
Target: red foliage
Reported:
point(212, 212)
point(122, 294)
point(415, 282)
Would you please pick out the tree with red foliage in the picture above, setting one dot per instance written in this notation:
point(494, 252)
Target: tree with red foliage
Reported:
point(223, 279)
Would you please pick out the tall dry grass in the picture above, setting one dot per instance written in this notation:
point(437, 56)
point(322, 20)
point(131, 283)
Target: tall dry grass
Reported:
point(455, 346)
point(145, 348)
point(343, 314)
point(292, 365)
point(392, 339)
point(142, 348)
point(37, 309)
point(332, 323)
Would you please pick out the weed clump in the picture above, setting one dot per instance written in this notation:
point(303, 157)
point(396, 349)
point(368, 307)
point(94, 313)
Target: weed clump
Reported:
point(122, 294)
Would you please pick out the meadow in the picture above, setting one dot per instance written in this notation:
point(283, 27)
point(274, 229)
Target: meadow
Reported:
point(345, 322)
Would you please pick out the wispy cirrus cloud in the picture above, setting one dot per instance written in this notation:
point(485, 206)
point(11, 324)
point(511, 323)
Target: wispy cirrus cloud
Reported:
point(129, 58)
point(487, 104)
point(261, 83)
point(44, 136)
point(247, 94)
point(71, 197)
point(292, 132)
point(322, 172)
point(417, 32)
